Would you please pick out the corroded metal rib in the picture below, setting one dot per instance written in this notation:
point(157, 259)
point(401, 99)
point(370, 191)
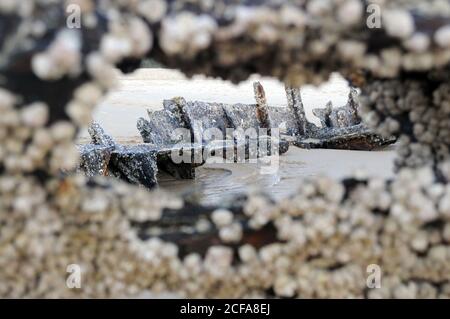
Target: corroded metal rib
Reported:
point(296, 108)
point(342, 128)
point(340, 117)
point(160, 130)
point(262, 109)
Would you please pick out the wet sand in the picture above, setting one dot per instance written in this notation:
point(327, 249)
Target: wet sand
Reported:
point(218, 182)
point(147, 88)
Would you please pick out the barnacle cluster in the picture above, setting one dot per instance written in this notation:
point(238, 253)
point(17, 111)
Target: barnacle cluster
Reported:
point(128, 240)
point(416, 109)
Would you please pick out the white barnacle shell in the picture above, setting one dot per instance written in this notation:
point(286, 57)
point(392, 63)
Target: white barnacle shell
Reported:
point(7, 99)
point(39, 28)
point(66, 49)
point(7, 184)
point(62, 131)
point(420, 242)
point(101, 70)
point(222, 217)
point(392, 125)
point(218, 260)
point(193, 262)
point(419, 42)
point(350, 49)
point(79, 112)
point(152, 10)
point(132, 38)
point(23, 204)
point(266, 33)
point(404, 291)
point(186, 33)
point(43, 66)
point(296, 232)
point(88, 93)
point(42, 139)
point(438, 253)
point(202, 225)
point(350, 12)
point(290, 15)
point(419, 62)
point(35, 115)
point(169, 250)
point(114, 47)
point(231, 233)
point(95, 202)
point(247, 19)
point(62, 57)
point(285, 286)
point(445, 169)
point(248, 253)
point(85, 6)
point(141, 208)
point(140, 36)
point(442, 36)
point(318, 7)
point(446, 232)
point(398, 23)
point(269, 253)
point(64, 157)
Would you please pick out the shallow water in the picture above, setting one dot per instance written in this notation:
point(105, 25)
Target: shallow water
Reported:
point(147, 88)
point(218, 182)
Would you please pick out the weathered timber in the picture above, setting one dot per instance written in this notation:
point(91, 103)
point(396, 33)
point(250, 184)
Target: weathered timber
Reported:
point(135, 164)
point(355, 137)
point(339, 117)
point(342, 128)
point(205, 126)
point(299, 125)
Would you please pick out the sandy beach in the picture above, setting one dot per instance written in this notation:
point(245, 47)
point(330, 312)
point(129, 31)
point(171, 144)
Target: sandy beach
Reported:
point(147, 88)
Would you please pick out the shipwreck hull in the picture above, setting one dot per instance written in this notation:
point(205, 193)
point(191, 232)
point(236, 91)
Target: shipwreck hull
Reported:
point(139, 164)
point(352, 141)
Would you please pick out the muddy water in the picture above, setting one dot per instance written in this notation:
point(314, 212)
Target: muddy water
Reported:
point(147, 88)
